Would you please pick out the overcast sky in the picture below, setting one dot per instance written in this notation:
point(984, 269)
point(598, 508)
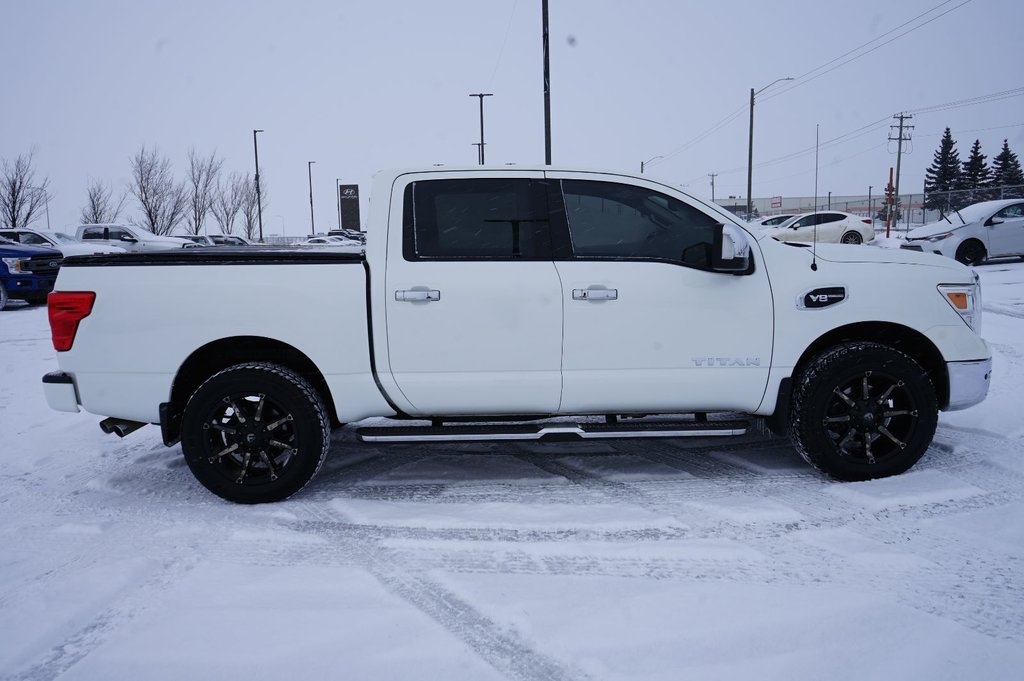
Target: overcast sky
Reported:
point(360, 86)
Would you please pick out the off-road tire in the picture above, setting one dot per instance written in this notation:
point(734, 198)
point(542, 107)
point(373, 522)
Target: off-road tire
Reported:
point(255, 433)
point(853, 435)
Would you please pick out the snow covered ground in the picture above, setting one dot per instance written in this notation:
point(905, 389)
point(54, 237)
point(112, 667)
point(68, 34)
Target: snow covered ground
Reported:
point(628, 560)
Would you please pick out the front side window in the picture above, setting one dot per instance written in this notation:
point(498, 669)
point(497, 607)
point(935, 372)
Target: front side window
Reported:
point(607, 219)
point(476, 219)
point(119, 234)
point(1011, 212)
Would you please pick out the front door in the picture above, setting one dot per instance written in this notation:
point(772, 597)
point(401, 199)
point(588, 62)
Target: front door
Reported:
point(1006, 233)
point(473, 307)
point(648, 326)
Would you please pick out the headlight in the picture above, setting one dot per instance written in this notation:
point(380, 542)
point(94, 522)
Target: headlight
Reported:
point(966, 300)
point(939, 237)
point(16, 265)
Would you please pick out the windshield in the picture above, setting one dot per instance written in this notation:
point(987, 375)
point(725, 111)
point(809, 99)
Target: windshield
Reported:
point(978, 211)
point(64, 238)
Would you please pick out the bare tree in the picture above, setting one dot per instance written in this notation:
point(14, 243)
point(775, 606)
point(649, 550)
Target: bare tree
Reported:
point(22, 199)
point(250, 216)
point(203, 172)
point(227, 201)
point(163, 202)
point(100, 205)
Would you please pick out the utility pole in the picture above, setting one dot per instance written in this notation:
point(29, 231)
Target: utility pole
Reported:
point(312, 224)
point(481, 95)
point(547, 87)
point(871, 208)
point(750, 145)
point(830, 201)
point(259, 202)
point(902, 136)
point(712, 176)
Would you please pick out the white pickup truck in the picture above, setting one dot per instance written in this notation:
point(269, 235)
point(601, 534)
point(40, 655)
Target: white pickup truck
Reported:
point(490, 301)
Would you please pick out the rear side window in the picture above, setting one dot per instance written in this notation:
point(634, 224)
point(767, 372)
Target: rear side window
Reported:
point(476, 219)
point(92, 233)
point(831, 217)
point(607, 219)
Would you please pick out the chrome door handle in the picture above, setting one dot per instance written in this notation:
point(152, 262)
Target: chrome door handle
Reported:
point(418, 295)
point(595, 294)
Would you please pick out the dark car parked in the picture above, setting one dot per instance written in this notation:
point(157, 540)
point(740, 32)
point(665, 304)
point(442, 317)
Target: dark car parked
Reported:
point(27, 272)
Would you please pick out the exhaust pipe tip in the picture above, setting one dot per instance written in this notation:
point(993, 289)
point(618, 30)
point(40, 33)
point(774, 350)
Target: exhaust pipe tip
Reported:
point(120, 427)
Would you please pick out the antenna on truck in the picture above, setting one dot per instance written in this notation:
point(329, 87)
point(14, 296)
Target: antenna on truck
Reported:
point(814, 244)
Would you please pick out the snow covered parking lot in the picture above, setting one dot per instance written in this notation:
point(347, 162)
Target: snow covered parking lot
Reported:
point(705, 559)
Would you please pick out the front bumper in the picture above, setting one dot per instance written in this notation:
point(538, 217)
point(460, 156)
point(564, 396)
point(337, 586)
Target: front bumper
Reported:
point(968, 383)
point(60, 391)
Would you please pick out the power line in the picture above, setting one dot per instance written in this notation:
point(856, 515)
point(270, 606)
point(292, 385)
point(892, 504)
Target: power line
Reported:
point(801, 79)
point(504, 42)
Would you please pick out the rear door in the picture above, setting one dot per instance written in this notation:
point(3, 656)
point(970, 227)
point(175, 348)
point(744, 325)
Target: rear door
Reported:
point(472, 298)
point(648, 326)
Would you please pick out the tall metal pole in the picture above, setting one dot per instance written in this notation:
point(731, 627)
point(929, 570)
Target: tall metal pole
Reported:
point(750, 159)
point(312, 223)
point(259, 201)
point(712, 176)
point(547, 89)
point(337, 197)
point(750, 146)
point(871, 208)
point(481, 95)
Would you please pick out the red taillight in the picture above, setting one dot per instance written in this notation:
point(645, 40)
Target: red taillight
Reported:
point(866, 221)
point(67, 309)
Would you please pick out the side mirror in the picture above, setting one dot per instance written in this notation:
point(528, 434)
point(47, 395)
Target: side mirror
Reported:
point(731, 250)
point(993, 221)
point(129, 238)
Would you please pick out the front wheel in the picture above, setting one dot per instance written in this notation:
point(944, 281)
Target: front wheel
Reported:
point(971, 252)
point(3, 296)
point(863, 411)
point(852, 238)
point(255, 433)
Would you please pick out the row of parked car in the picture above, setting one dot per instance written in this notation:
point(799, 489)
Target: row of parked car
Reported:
point(971, 235)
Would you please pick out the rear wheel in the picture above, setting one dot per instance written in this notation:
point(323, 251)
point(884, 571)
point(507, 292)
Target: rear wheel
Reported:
point(3, 296)
point(971, 252)
point(863, 411)
point(852, 238)
point(255, 433)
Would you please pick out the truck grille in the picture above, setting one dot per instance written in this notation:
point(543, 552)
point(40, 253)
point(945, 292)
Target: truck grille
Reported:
point(43, 264)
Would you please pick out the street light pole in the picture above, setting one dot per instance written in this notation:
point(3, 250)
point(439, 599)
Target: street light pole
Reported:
point(648, 162)
point(750, 147)
point(312, 223)
point(481, 95)
point(259, 201)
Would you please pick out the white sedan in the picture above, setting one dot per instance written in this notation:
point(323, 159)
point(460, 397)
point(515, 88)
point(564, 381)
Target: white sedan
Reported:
point(67, 245)
point(990, 229)
point(832, 227)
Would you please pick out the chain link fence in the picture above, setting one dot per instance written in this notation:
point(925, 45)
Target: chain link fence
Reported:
point(911, 210)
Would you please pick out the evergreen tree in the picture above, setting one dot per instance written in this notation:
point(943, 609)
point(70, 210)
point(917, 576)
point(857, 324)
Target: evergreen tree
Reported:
point(943, 176)
point(1006, 172)
point(976, 175)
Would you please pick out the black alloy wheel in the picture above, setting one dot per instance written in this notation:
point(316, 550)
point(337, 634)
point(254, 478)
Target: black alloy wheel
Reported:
point(255, 433)
point(971, 252)
point(863, 410)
